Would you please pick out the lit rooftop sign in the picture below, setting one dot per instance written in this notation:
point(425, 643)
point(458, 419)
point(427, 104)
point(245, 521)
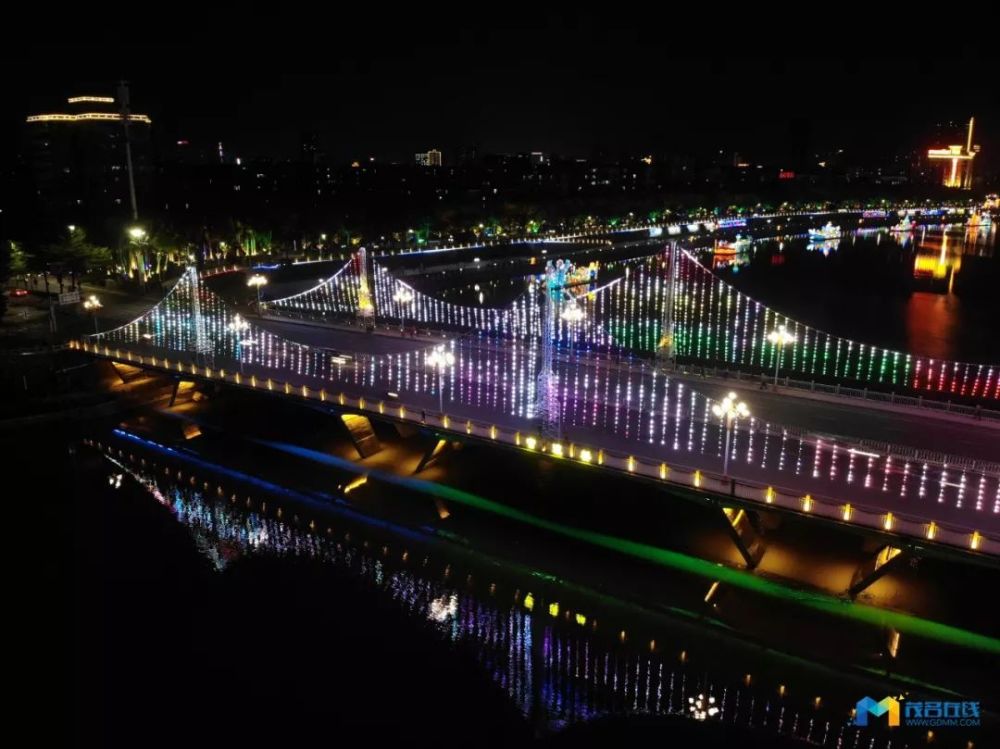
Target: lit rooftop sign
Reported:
point(88, 116)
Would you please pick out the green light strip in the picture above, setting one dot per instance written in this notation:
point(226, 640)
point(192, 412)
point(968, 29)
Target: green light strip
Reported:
point(828, 604)
point(905, 623)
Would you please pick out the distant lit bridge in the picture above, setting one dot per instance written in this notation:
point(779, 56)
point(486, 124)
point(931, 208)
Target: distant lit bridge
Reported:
point(635, 420)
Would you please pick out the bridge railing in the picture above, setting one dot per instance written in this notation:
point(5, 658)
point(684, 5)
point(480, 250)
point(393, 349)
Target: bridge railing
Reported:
point(836, 389)
point(810, 436)
point(673, 474)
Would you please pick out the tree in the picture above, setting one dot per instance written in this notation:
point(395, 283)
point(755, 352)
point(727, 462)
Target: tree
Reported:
point(6, 251)
point(19, 260)
point(76, 255)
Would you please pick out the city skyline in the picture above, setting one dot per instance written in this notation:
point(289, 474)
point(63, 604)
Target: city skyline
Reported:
point(407, 95)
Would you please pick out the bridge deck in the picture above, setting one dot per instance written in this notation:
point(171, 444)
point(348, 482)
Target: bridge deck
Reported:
point(646, 425)
point(845, 419)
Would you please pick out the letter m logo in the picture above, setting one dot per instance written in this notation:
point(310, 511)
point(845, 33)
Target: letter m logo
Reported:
point(877, 709)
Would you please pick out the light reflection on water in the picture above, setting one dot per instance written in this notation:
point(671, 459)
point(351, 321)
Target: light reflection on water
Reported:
point(554, 664)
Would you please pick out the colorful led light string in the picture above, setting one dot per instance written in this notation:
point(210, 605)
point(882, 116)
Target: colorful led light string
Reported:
point(713, 323)
point(709, 328)
point(338, 294)
point(493, 377)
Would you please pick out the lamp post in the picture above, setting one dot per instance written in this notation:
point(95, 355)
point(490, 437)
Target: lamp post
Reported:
point(256, 281)
point(701, 708)
point(137, 236)
point(237, 326)
point(440, 359)
point(730, 409)
point(92, 304)
point(779, 338)
point(402, 297)
point(572, 313)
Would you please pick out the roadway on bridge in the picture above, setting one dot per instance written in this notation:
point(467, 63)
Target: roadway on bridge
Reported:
point(634, 412)
point(638, 411)
point(845, 419)
point(628, 407)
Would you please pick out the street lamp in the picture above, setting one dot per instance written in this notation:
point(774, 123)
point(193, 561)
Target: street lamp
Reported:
point(92, 304)
point(729, 409)
point(779, 338)
point(257, 280)
point(238, 324)
point(572, 313)
point(402, 297)
point(440, 359)
point(701, 708)
point(137, 236)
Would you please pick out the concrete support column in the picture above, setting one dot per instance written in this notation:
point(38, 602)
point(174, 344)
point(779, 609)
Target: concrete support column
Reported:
point(885, 559)
point(744, 529)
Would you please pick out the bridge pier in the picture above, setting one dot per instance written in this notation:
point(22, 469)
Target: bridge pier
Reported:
point(885, 559)
point(435, 450)
point(125, 372)
point(362, 434)
point(404, 430)
point(173, 392)
point(745, 531)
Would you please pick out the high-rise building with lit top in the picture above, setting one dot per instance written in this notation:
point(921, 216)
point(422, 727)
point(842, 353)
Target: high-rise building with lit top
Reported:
point(77, 159)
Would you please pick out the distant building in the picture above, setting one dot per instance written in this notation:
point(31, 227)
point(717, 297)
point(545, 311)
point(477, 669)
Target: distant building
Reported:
point(955, 159)
point(431, 158)
point(468, 155)
point(309, 148)
point(77, 159)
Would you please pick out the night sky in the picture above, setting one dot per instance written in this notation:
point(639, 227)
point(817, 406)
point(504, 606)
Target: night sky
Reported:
point(568, 85)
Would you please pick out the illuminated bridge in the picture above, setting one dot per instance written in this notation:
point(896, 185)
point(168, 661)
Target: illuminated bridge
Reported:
point(603, 413)
point(707, 322)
